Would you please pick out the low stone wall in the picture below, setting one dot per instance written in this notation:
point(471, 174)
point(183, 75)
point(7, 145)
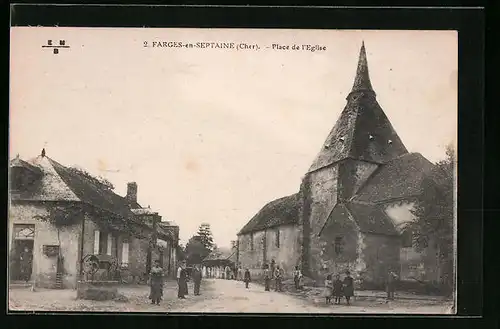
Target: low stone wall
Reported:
point(97, 290)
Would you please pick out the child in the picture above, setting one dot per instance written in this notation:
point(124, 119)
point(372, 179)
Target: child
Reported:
point(247, 278)
point(328, 289)
point(297, 275)
point(337, 289)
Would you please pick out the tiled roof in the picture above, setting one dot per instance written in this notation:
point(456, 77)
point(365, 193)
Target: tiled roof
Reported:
point(371, 218)
point(278, 212)
point(50, 186)
point(362, 131)
point(397, 179)
point(93, 194)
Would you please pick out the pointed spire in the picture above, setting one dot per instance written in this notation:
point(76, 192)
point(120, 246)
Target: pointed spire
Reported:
point(362, 80)
point(43, 152)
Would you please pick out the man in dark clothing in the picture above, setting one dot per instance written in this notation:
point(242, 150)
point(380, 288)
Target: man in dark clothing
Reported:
point(197, 280)
point(182, 281)
point(390, 285)
point(247, 278)
point(278, 275)
point(267, 277)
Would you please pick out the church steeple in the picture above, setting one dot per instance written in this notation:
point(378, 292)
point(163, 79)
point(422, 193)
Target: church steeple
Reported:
point(362, 80)
point(363, 132)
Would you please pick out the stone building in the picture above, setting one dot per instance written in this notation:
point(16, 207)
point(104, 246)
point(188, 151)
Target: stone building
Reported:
point(60, 217)
point(353, 203)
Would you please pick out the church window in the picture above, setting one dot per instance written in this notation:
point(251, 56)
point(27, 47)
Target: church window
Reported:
point(277, 237)
point(371, 137)
point(339, 245)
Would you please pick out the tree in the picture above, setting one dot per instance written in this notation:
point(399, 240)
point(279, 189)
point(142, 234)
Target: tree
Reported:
point(205, 235)
point(434, 217)
point(195, 250)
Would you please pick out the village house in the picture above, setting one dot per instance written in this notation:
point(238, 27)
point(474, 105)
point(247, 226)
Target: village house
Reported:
point(353, 205)
point(64, 220)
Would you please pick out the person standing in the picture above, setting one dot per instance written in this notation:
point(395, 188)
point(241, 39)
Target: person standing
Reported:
point(197, 276)
point(390, 285)
point(181, 281)
point(328, 290)
point(337, 289)
point(240, 273)
point(267, 277)
point(278, 275)
point(228, 272)
point(348, 287)
point(156, 283)
point(25, 261)
point(273, 268)
point(296, 277)
point(247, 278)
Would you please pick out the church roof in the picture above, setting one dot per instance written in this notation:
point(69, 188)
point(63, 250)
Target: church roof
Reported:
point(362, 131)
point(398, 179)
point(371, 218)
point(278, 212)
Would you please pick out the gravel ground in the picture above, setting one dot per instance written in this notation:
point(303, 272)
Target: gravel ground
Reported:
point(218, 296)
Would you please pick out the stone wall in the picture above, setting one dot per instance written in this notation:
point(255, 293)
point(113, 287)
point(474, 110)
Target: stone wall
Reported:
point(320, 196)
point(379, 254)
point(248, 257)
point(353, 174)
point(68, 238)
point(335, 260)
point(287, 255)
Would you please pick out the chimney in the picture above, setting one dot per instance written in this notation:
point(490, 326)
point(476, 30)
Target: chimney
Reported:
point(132, 192)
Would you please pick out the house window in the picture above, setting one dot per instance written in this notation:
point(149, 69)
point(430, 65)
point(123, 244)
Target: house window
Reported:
point(125, 247)
point(103, 244)
point(277, 238)
point(407, 239)
point(96, 241)
point(339, 245)
point(109, 244)
point(251, 241)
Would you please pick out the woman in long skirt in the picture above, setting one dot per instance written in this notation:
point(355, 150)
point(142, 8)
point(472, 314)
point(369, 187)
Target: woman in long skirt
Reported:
point(156, 283)
point(348, 287)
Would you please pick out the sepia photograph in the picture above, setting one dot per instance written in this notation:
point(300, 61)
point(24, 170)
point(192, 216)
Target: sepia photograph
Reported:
point(189, 170)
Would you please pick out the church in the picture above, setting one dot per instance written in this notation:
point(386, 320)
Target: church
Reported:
point(353, 204)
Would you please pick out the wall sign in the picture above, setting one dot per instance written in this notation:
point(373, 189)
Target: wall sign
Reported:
point(51, 250)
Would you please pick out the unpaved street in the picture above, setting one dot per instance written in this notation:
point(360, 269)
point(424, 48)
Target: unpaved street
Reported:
point(218, 296)
point(232, 296)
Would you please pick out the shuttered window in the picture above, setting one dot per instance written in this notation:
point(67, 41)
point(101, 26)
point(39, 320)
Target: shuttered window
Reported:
point(125, 250)
point(96, 242)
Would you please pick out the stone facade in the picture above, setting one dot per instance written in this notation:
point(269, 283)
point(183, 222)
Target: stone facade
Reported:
point(44, 267)
point(286, 253)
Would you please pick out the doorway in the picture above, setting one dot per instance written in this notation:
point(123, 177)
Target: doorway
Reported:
point(22, 260)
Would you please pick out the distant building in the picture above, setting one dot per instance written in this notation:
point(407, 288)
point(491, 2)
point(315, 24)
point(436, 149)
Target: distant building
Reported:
point(59, 218)
point(353, 205)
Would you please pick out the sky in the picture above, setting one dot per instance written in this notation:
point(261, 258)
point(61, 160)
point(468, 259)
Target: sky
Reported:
point(212, 135)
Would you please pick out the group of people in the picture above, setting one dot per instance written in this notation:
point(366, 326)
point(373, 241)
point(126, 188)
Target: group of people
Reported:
point(272, 272)
point(337, 289)
point(157, 278)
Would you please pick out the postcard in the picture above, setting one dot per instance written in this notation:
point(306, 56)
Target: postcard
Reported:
point(193, 170)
